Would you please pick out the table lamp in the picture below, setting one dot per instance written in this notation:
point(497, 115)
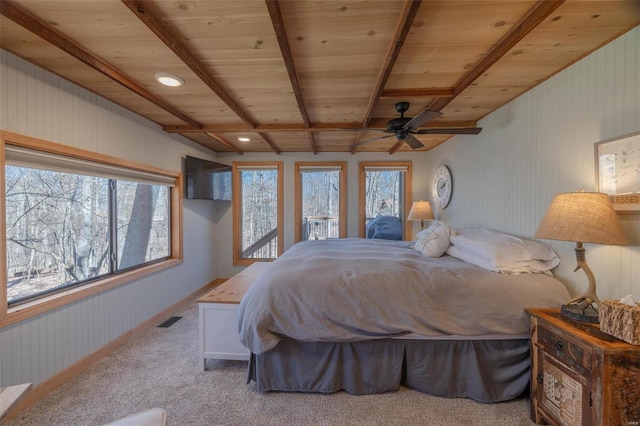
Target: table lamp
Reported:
point(583, 217)
point(421, 210)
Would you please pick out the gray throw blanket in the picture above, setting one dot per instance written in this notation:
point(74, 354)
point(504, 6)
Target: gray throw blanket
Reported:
point(353, 289)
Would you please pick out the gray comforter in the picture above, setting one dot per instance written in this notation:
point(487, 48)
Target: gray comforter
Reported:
point(355, 289)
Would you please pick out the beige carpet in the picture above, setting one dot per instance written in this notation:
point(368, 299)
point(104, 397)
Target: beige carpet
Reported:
point(161, 368)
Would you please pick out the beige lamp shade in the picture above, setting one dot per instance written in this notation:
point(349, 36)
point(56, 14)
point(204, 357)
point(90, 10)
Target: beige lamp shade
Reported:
point(585, 217)
point(421, 210)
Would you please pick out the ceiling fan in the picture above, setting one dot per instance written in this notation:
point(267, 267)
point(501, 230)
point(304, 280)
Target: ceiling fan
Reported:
point(403, 128)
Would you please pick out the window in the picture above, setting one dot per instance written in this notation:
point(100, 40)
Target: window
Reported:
point(385, 190)
point(76, 220)
point(257, 207)
point(321, 195)
point(142, 231)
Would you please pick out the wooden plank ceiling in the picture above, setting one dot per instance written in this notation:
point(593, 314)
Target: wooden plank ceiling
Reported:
point(306, 75)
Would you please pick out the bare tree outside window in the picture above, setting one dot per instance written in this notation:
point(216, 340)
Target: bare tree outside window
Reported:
point(320, 205)
point(383, 194)
point(259, 213)
point(143, 223)
point(58, 228)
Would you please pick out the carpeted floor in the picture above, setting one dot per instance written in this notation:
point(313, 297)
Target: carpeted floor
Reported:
point(161, 368)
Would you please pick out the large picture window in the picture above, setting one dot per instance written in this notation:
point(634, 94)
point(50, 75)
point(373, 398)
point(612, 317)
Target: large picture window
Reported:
point(320, 197)
point(257, 205)
point(74, 219)
point(385, 199)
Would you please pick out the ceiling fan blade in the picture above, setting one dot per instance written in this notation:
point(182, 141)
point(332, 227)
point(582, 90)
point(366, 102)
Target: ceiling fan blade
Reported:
point(421, 119)
point(372, 140)
point(413, 142)
point(452, 131)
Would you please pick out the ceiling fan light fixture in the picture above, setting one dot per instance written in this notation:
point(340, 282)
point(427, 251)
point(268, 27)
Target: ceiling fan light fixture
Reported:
point(170, 80)
point(404, 128)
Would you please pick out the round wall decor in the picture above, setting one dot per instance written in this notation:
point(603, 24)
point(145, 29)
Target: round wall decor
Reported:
point(442, 187)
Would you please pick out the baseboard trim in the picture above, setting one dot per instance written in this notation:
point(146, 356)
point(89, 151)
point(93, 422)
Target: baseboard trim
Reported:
point(43, 389)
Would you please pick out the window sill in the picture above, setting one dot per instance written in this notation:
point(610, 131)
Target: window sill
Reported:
point(36, 307)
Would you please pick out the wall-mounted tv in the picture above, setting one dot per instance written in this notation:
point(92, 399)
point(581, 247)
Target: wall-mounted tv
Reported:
point(207, 180)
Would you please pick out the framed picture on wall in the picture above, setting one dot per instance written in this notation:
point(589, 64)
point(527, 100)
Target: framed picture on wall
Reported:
point(618, 170)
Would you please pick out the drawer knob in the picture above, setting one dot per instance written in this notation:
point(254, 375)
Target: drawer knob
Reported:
point(539, 378)
point(559, 346)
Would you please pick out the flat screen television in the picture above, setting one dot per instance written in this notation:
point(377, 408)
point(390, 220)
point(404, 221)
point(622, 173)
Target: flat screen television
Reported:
point(207, 180)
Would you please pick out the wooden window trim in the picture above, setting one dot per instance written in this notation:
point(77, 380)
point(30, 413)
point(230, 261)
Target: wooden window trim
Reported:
point(47, 303)
point(238, 260)
point(407, 196)
point(343, 194)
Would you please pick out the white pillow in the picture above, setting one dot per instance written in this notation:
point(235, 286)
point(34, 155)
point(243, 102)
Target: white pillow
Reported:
point(434, 240)
point(504, 253)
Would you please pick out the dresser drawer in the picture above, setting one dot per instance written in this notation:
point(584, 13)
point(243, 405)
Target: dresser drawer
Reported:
point(569, 353)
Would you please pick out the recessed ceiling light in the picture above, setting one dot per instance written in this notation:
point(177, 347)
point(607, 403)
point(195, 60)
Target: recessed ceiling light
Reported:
point(243, 139)
point(169, 79)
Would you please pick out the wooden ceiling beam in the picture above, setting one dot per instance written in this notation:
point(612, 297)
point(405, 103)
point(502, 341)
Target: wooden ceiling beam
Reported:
point(312, 141)
point(230, 128)
point(283, 41)
point(405, 21)
point(375, 124)
point(534, 17)
point(148, 17)
point(416, 93)
point(224, 142)
point(62, 42)
point(270, 141)
point(395, 147)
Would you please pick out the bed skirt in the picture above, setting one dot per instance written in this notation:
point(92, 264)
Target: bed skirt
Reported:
point(483, 370)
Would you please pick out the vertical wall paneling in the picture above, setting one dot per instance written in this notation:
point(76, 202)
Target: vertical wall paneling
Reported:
point(542, 143)
point(39, 104)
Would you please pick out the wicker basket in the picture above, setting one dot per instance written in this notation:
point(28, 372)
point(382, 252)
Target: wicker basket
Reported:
point(620, 320)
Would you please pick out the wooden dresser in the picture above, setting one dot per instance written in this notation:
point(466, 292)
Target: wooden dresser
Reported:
point(580, 375)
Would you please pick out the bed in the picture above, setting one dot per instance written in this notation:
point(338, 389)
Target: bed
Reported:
point(367, 316)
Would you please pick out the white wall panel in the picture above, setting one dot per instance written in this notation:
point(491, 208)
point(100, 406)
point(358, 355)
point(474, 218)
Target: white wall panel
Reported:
point(542, 143)
point(39, 104)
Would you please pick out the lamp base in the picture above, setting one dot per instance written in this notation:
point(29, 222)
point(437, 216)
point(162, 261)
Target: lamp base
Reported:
point(576, 312)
